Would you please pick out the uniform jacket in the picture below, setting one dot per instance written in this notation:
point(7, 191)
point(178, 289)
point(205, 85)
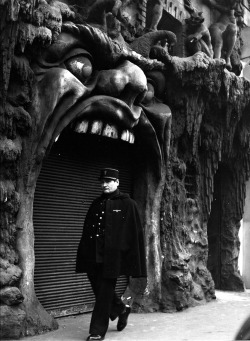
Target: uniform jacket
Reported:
point(124, 251)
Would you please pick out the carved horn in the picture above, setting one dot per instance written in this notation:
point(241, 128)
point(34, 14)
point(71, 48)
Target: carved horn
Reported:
point(144, 43)
point(188, 6)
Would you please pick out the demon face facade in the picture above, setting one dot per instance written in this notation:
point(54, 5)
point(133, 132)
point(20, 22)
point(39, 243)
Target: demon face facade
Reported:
point(83, 82)
point(64, 77)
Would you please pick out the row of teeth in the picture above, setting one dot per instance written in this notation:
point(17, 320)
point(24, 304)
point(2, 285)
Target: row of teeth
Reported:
point(104, 129)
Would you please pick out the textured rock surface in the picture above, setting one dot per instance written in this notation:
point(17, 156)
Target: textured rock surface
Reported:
point(12, 321)
point(11, 296)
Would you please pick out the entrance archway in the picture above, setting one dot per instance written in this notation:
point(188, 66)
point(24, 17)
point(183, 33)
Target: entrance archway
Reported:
point(67, 184)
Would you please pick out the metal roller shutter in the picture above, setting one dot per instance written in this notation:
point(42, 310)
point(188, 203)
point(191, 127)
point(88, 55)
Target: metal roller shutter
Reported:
point(66, 186)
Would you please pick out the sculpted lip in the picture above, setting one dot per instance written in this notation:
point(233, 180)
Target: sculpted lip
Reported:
point(109, 109)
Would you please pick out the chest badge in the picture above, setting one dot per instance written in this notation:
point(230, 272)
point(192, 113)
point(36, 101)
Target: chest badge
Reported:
point(116, 210)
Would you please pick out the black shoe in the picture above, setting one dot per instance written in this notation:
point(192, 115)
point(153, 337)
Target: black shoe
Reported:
point(123, 319)
point(95, 337)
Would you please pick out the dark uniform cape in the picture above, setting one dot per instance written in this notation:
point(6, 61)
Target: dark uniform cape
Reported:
point(124, 252)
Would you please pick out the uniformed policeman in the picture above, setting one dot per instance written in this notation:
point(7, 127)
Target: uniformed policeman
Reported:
point(112, 245)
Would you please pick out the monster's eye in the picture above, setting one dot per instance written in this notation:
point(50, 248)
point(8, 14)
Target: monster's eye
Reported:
point(80, 66)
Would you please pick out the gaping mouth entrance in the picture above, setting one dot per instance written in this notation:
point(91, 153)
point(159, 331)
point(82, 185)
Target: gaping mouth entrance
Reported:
point(70, 174)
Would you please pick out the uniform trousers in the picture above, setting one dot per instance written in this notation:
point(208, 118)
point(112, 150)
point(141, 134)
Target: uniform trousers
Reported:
point(107, 303)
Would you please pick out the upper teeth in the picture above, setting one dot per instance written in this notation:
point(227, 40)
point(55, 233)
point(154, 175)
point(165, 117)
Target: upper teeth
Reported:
point(126, 135)
point(99, 128)
point(96, 127)
point(110, 131)
point(82, 127)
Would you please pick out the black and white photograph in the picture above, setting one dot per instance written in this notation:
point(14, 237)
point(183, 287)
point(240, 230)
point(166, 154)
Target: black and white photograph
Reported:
point(124, 170)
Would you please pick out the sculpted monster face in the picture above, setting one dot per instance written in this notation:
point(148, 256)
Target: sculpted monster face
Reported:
point(93, 92)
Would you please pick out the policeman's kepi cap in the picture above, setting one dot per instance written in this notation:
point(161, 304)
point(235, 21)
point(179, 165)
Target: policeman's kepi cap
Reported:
point(109, 173)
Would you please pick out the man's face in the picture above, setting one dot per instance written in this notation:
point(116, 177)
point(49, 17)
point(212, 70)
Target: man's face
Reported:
point(109, 185)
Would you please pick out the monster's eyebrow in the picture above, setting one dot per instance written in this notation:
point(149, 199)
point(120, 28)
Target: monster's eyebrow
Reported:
point(65, 47)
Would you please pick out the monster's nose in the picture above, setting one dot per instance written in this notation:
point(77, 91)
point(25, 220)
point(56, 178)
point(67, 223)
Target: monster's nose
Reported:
point(127, 82)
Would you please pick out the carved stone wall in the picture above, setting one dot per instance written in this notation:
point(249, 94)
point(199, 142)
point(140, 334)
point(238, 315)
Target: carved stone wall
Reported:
point(218, 158)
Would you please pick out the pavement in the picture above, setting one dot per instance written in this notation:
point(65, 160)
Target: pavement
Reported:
point(219, 319)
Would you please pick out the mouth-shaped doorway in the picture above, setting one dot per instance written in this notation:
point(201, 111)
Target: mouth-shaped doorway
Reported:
point(67, 184)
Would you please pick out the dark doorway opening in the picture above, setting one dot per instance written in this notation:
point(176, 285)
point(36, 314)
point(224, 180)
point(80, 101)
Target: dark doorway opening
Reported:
point(66, 186)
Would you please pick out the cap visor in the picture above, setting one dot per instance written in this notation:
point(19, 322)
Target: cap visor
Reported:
point(107, 177)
